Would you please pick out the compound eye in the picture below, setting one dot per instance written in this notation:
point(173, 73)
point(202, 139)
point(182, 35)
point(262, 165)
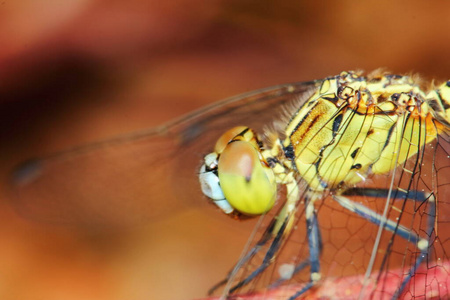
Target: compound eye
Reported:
point(247, 182)
point(225, 138)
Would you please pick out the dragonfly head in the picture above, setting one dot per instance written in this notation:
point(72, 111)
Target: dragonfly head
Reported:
point(236, 177)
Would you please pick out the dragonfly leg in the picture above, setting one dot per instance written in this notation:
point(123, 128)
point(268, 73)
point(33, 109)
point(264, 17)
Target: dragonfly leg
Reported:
point(262, 241)
point(298, 268)
point(275, 234)
point(315, 248)
point(268, 258)
point(366, 213)
point(423, 248)
point(421, 243)
point(384, 193)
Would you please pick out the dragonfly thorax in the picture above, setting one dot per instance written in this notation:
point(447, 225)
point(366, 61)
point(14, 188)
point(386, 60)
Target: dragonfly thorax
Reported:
point(355, 126)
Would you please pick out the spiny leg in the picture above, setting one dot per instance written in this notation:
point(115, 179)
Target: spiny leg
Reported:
point(422, 247)
point(270, 254)
point(315, 248)
point(421, 243)
point(267, 235)
point(275, 233)
point(414, 195)
point(376, 193)
point(384, 193)
point(298, 268)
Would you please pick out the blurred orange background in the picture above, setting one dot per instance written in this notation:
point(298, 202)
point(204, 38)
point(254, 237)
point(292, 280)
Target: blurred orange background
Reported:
point(76, 71)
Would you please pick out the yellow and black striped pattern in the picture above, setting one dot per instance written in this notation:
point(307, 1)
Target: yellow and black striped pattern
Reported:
point(354, 126)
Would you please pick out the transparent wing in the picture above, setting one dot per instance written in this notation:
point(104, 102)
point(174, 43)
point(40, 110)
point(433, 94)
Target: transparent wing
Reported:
point(417, 195)
point(142, 175)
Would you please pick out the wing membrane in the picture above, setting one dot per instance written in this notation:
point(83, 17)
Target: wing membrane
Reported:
point(143, 175)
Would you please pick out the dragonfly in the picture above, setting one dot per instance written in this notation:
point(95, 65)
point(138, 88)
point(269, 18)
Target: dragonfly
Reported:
point(347, 175)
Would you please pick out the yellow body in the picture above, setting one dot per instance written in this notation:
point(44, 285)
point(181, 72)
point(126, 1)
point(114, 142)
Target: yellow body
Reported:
point(370, 127)
point(350, 128)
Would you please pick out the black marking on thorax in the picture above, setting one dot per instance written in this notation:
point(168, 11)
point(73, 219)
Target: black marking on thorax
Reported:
point(336, 124)
point(303, 120)
point(289, 152)
point(353, 155)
